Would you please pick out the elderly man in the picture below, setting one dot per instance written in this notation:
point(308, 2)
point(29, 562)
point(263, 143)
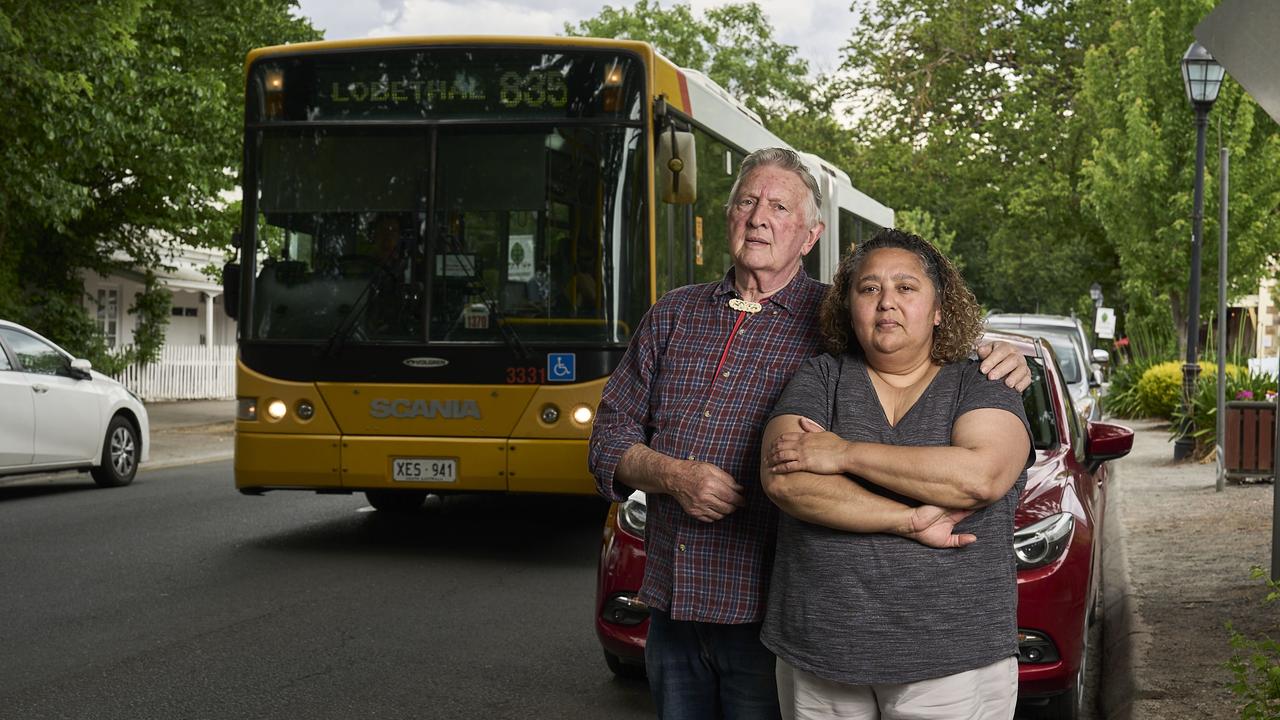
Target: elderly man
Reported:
point(681, 419)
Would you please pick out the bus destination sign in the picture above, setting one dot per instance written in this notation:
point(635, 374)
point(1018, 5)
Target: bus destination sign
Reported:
point(423, 84)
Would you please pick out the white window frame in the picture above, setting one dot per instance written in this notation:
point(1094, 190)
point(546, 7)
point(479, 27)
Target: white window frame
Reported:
point(107, 300)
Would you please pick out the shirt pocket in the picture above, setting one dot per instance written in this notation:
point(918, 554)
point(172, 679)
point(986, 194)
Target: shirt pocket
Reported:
point(680, 386)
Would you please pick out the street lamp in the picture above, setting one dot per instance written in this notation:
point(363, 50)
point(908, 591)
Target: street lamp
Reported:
point(1095, 292)
point(1202, 78)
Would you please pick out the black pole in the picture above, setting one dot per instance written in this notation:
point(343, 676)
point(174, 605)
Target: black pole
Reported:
point(1183, 446)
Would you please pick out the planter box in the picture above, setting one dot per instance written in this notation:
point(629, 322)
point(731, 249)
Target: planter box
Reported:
point(1248, 442)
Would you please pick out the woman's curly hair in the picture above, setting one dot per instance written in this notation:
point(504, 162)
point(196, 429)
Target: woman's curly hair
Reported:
point(961, 322)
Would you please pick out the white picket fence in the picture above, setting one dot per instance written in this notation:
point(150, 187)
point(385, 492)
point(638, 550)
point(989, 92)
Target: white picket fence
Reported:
point(185, 372)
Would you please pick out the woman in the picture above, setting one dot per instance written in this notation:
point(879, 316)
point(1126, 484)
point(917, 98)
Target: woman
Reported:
point(894, 591)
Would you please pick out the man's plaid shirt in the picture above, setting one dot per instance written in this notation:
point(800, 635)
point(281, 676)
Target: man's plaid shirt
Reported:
point(663, 394)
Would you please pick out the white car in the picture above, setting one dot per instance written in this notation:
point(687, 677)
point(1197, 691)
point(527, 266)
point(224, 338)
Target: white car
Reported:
point(61, 415)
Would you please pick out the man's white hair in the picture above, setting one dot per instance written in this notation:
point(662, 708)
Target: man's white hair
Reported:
point(785, 159)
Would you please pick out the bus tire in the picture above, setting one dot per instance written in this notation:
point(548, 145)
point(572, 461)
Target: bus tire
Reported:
point(395, 500)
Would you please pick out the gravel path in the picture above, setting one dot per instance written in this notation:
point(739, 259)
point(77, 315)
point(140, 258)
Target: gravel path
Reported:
point(1187, 550)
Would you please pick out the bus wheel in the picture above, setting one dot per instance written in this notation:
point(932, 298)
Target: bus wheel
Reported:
point(395, 500)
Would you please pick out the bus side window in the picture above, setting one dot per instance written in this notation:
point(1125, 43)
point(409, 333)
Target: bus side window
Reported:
point(711, 259)
point(848, 231)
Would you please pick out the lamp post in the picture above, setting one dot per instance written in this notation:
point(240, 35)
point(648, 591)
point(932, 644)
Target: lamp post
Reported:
point(1202, 78)
point(1095, 292)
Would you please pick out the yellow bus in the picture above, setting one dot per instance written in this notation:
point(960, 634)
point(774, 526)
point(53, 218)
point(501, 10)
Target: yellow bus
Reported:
point(448, 241)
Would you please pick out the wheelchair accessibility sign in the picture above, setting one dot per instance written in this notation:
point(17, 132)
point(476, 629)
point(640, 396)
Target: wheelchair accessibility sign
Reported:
point(561, 367)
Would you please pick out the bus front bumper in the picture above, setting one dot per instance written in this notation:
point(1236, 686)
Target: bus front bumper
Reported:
point(335, 463)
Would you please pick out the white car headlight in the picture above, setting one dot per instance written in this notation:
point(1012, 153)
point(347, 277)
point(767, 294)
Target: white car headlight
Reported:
point(1043, 542)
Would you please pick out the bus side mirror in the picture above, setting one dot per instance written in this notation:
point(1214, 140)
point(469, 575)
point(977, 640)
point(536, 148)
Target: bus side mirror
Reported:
point(677, 168)
point(231, 289)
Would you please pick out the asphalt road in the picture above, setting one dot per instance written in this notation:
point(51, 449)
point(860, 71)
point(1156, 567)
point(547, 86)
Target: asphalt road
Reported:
point(176, 597)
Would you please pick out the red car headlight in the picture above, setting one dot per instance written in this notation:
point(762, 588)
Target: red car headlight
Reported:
point(1043, 542)
point(632, 515)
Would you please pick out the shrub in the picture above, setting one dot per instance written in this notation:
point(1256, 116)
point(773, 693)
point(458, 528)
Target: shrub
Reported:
point(1255, 663)
point(1122, 397)
point(1160, 388)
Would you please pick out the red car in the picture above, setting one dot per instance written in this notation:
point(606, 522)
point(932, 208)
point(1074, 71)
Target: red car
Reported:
point(1057, 541)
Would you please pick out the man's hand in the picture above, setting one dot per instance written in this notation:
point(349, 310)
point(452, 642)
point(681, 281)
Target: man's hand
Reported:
point(1002, 360)
point(813, 450)
point(935, 526)
point(706, 492)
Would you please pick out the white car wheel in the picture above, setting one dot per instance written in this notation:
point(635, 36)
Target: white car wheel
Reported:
point(120, 452)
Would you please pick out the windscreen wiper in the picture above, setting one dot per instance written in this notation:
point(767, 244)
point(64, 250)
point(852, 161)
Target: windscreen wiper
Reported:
point(389, 267)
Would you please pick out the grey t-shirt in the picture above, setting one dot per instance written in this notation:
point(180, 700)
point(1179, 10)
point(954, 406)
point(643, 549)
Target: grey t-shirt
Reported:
point(877, 608)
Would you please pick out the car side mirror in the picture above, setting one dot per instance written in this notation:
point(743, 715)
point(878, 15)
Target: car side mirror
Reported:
point(1107, 442)
point(80, 369)
point(1102, 357)
point(231, 289)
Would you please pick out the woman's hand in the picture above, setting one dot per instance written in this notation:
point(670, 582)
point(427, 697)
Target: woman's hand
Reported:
point(935, 527)
point(1002, 360)
point(813, 450)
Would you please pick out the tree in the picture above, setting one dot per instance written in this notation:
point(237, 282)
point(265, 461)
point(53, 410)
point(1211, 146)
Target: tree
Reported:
point(122, 128)
point(920, 222)
point(733, 45)
point(966, 110)
point(1140, 169)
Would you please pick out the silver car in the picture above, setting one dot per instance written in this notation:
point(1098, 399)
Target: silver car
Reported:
point(1067, 337)
point(1025, 323)
point(61, 415)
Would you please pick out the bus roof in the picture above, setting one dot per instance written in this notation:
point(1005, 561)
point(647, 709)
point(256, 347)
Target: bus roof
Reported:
point(409, 41)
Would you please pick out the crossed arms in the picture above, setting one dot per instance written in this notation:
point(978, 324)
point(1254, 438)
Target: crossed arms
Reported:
point(805, 470)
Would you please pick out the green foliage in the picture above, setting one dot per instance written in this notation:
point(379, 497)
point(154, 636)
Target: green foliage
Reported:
point(152, 308)
point(1160, 388)
point(968, 112)
point(923, 223)
point(732, 43)
point(122, 127)
point(1255, 662)
point(1123, 400)
point(1241, 384)
point(1138, 174)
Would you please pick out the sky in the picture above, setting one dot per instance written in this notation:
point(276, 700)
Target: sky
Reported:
point(818, 28)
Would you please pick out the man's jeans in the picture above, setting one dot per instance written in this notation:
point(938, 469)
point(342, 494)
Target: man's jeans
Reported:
point(703, 671)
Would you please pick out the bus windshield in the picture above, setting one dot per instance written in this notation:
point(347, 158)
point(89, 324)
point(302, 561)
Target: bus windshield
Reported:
point(524, 219)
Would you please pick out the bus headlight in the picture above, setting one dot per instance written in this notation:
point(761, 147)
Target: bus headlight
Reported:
point(276, 409)
point(583, 414)
point(247, 409)
point(1041, 543)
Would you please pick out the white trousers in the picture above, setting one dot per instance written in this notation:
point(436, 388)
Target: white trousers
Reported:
point(988, 693)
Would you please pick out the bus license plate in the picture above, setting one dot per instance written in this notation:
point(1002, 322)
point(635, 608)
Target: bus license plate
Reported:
point(424, 470)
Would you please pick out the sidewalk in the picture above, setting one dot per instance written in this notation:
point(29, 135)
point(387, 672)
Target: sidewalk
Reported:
point(185, 433)
point(1176, 569)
